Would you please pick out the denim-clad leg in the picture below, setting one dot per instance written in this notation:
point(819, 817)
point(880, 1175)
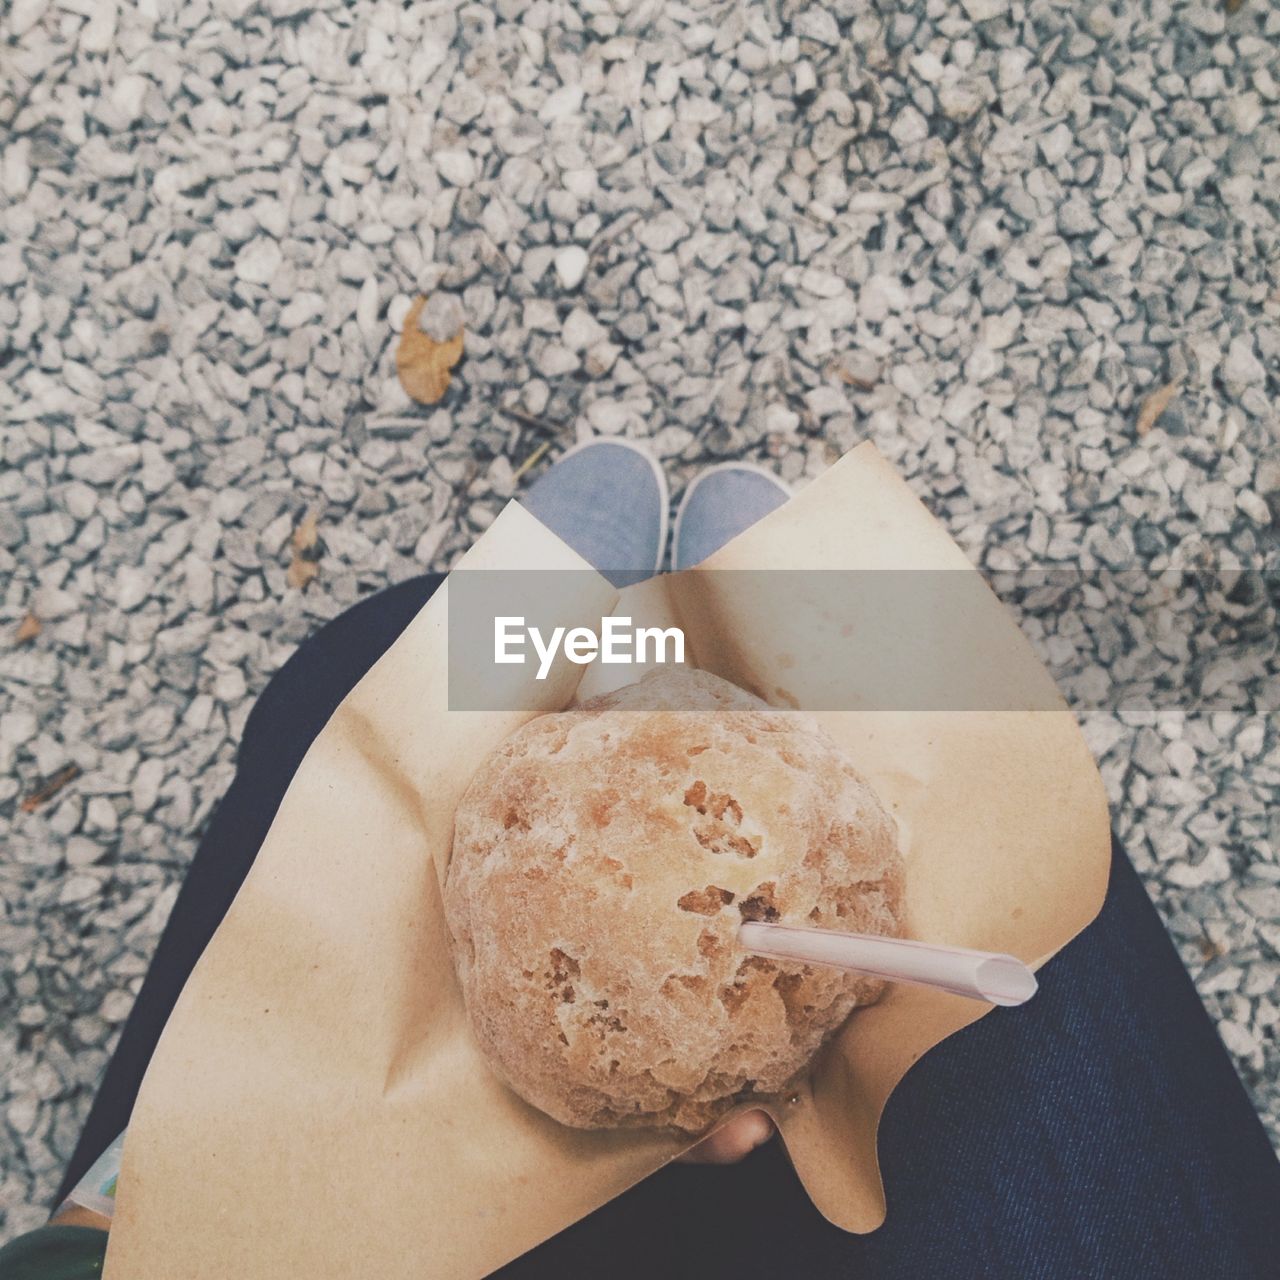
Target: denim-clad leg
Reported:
point(1100, 1131)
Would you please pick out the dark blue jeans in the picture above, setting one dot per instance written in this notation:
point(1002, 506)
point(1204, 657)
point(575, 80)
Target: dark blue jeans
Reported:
point(1098, 1132)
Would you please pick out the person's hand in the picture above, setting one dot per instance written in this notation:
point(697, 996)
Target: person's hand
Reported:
point(732, 1141)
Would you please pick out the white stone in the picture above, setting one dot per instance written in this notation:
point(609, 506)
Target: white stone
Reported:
point(83, 852)
point(1262, 902)
point(581, 330)
point(272, 217)
point(999, 331)
point(909, 127)
point(1101, 21)
point(1242, 367)
point(132, 586)
point(610, 417)
point(1238, 1039)
point(456, 165)
point(22, 1113)
point(367, 310)
point(666, 83)
point(1246, 112)
point(397, 309)
point(99, 33)
point(928, 66)
point(235, 386)
point(199, 713)
point(656, 122)
point(570, 265)
point(875, 202)
point(555, 360)
point(128, 95)
point(198, 580)
point(1254, 505)
point(1209, 21)
point(661, 233)
point(425, 549)
point(539, 315)
point(24, 15)
point(116, 1005)
point(1055, 144)
point(442, 317)
point(1213, 868)
point(601, 357)
point(822, 284)
point(15, 173)
point(561, 104)
point(813, 22)
point(960, 101)
point(777, 417)
point(259, 261)
point(1181, 756)
point(984, 10)
point(983, 363)
point(878, 297)
point(100, 816)
point(17, 727)
point(80, 500)
point(146, 784)
point(77, 889)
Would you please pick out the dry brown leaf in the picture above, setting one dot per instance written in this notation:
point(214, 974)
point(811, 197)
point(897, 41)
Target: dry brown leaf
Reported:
point(423, 363)
point(50, 788)
point(1233, 6)
point(1154, 405)
point(27, 630)
point(306, 535)
point(305, 562)
point(300, 572)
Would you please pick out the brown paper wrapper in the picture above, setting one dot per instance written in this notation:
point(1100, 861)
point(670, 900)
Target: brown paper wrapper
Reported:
point(316, 1105)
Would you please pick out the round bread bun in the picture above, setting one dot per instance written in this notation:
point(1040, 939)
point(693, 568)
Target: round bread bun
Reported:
point(603, 859)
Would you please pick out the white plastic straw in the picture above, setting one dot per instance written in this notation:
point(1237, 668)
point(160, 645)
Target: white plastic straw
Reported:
point(980, 975)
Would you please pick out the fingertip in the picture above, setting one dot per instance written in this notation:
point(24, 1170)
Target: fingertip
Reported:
point(757, 1129)
point(733, 1141)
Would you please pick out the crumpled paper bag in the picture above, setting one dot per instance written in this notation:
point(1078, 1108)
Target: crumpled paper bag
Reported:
point(316, 1105)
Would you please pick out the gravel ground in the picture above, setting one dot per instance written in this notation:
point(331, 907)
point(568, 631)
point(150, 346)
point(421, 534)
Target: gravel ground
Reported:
point(981, 234)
